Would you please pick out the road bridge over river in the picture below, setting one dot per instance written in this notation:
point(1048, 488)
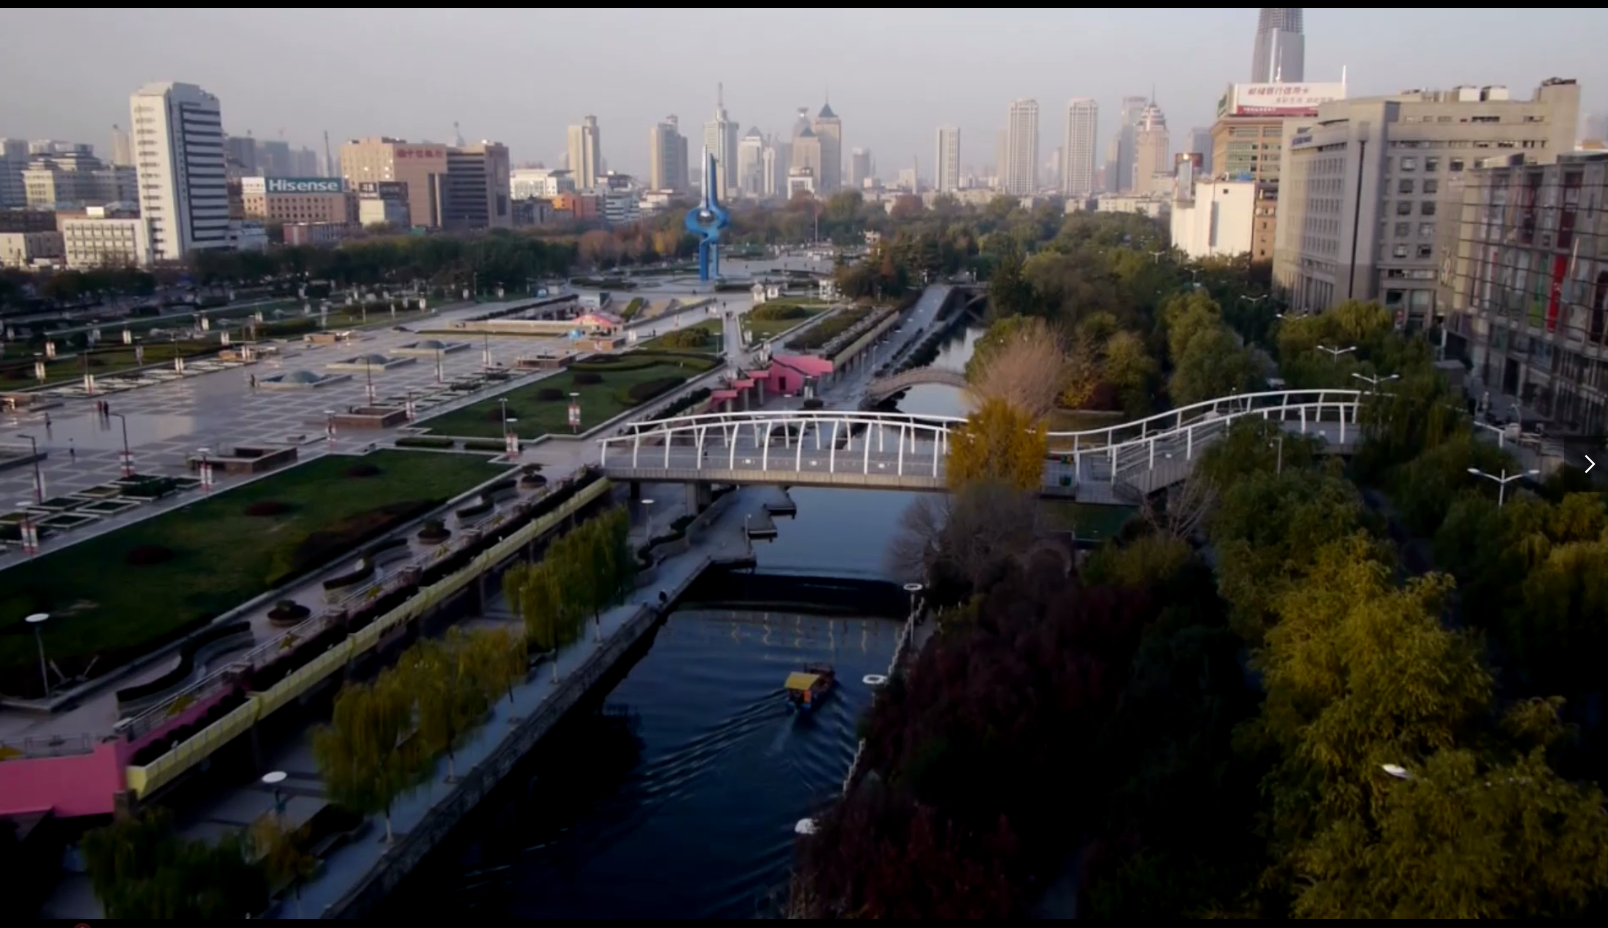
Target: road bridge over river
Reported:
point(897, 451)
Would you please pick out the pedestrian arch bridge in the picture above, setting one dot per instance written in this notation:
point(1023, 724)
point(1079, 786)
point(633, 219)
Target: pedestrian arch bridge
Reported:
point(898, 451)
point(887, 386)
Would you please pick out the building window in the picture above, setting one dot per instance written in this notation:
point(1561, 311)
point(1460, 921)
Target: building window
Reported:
point(1432, 186)
point(1405, 186)
point(1431, 164)
point(1404, 207)
point(1455, 165)
point(1409, 164)
point(1426, 251)
point(1426, 230)
point(1400, 251)
point(1393, 297)
point(1404, 229)
point(1426, 208)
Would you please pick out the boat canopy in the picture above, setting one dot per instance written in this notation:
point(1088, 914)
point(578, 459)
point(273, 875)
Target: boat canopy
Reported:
point(801, 682)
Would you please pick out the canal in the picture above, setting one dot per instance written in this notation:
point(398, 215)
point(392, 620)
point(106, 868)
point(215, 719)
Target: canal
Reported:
point(677, 797)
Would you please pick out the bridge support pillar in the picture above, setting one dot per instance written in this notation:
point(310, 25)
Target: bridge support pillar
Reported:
point(634, 492)
point(699, 496)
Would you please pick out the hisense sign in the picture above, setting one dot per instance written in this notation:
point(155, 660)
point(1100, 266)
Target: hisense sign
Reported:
point(304, 185)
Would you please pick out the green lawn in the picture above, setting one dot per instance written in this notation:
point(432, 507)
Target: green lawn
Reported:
point(113, 359)
point(818, 335)
point(711, 328)
point(599, 402)
point(1089, 520)
point(761, 329)
point(100, 604)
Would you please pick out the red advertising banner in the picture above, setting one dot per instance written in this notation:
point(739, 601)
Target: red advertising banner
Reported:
point(1560, 266)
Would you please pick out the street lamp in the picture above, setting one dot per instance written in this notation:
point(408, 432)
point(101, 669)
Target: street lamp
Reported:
point(1397, 771)
point(1335, 353)
point(439, 377)
point(329, 427)
point(39, 480)
point(272, 779)
point(37, 620)
point(1278, 468)
point(128, 456)
point(1375, 381)
point(368, 375)
point(504, 402)
point(913, 589)
point(205, 470)
point(575, 413)
point(485, 352)
point(511, 437)
point(1502, 481)
point(647, 526)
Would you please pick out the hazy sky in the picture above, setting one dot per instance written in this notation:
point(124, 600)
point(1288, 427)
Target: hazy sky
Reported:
point(522, 76)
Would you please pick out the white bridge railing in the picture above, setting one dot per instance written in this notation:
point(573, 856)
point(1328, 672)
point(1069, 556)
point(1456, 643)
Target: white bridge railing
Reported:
point(844, 443)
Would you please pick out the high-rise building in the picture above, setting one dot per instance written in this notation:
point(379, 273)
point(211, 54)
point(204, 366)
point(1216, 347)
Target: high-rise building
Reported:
point(806, 158)
point(1280, 52)
point(585, 154)
point(13, 161)
point(1082, 129)
point(829, 129)
point(1597, 127)
point(122, 149)
point(773, 169)
point(859, 167)
point(178, 151)
point(274, 159)
point(1200, 142)
point(477, 188)
point(1524, 286)
point(1120, 159)
point(751, 164)
point(946, 167)
point(1002, 144)
point(1021, 148)
point(76, 179)
point(667, 156)
point(421, 166)
point(1152, 153)
point(1363, 185)
point(720, 139)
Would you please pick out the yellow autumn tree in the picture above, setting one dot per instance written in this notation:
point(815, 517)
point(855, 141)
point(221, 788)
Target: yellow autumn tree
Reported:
point(999, 443)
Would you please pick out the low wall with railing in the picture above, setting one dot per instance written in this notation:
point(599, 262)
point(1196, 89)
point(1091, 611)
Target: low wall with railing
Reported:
point(144, 780)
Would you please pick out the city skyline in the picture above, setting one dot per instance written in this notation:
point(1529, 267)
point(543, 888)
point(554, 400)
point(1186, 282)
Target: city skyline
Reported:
point(1190, 64)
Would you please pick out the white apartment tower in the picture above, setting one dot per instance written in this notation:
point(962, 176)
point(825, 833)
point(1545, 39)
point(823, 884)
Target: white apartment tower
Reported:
point(585, 153)
point(751, 165)
point(1082, 127)
point(720, 138)
point(1152, 153)
point(1021, 148)
point(178, 153)
point(667, 156)
point(946, 174)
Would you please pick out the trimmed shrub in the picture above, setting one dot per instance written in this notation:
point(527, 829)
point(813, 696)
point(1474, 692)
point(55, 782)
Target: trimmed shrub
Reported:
point(684, 338)
point(288, 612)
point(364, 469)
point(476, 510)
point(549, 394)
point(484, 444)
point(363, 571)
point(777, 312)
point(639, 393)
point(268, 507)
point(149, 555)
point(423, 441)
point(585, 378)
point(433, 530)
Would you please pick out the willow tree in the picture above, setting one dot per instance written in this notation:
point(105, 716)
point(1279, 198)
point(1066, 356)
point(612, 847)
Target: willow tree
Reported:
point(997, 443)
point(452, 695)
point(367, 755)
point(500, 661)
point(140, 868)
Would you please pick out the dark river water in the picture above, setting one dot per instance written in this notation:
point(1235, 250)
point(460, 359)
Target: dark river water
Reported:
point(678, 798)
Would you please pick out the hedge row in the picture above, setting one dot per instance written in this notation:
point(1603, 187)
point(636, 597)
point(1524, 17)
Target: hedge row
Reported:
point(423, 441)
point(639, 393)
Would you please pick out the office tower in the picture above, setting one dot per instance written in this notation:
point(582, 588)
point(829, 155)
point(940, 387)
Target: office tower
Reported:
point(1280, 52)
point(946, 166)
point(829, 129)
point(240, 157)
point(178, 150)
point(1021, 148)
point(13, 161)
point(477, 188)
point(1200, 143)
point(1399, 162)
point(1082, 129)
point(585, 154)
point(76, 179)
point(304, 163)
point(806, 156)
point(421, 166)
point(720, 138)
point(751, 164)
point(122, 149)
point(859, 167)
point(667, 156)
point(1597, 127)
point(1152, 153)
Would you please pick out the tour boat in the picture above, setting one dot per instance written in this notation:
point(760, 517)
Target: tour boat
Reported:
point(806, 688)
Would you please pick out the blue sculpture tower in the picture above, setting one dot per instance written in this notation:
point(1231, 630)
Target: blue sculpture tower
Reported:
point(706, 220)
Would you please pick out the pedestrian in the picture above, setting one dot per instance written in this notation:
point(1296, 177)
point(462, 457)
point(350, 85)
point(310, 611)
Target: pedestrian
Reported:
point(47, 420)
point(72, 453)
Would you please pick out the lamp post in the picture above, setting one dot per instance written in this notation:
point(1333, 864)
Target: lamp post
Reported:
point(1278, 467)
point(39, 480)
point(1502, 481)
point(504, 403)
point(368, 376)
point(439, 377)
point(511, 437)
point(37, 620)
point(329, 427)
point(1335, 353)
point(647, 525)
point(1375, 381)
point(575, 413)
point(913, 589)
point(272, 779)
point(485, 352)
point(127, 459)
